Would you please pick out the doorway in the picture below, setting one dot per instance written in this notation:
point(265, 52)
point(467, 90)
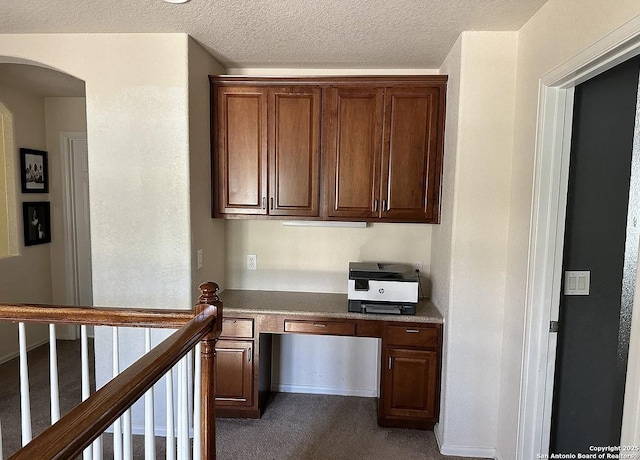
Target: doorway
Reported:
point(594, 323)
point(75, 170)
point(553, 145)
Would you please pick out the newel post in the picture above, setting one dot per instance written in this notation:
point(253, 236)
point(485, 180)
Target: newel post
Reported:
point(209, 300)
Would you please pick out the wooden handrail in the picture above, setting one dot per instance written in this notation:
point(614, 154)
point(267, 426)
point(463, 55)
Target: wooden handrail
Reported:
point(82, 425)
point(95, 316)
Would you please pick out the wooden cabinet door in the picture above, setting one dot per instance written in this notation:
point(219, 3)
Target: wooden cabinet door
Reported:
point(234, 373)
point(410, 379)
point(241, 128)
point(294, 143)
point(411, 154)
point(352, 145)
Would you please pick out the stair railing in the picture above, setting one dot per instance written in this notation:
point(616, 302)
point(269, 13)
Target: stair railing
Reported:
point(79, 431)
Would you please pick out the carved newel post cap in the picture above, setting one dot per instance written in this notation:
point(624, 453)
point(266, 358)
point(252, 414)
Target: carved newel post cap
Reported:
point(208, 292)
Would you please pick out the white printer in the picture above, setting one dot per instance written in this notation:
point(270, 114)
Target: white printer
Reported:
point(382, 288)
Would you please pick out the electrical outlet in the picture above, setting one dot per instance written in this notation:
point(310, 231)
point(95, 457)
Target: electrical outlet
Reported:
point(417, 265)
point(199, 257)
point(252, 262)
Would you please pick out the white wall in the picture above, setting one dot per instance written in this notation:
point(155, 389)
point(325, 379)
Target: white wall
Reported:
point(557, 32)
point(207, 234)
point(470, 247)
point(24, 278)
point(137, 128)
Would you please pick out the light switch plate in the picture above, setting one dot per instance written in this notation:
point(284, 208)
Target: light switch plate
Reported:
point(577, 282)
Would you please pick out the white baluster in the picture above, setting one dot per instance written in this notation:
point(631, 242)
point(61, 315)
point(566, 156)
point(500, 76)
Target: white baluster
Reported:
point(84, 355)
point(171, 439)
point(1, 440)
point(25, 405)
point(197, 408)
point(87, 454)
point(183, 411)
point(117, 425)
point(53, 375)
point(149, 426)
point(127, 445)
point(97, 448)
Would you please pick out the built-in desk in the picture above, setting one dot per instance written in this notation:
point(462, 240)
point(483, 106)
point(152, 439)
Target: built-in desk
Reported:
point(411, 351)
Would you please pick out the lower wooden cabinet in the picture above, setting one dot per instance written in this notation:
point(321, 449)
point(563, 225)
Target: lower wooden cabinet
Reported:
point(410, 378)
point(409, 372)
point(409, 383)
point(234, 373)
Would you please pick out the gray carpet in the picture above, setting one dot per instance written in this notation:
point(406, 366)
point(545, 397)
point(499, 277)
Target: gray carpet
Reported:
point(294, 426)
point(320, 427)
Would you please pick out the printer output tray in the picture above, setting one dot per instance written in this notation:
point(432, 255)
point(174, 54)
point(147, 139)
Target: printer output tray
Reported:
point(384, 308)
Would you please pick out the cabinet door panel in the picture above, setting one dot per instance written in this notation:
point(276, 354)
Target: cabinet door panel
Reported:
point(242, 150)
point(294, 120)
point(234, 373)
point(410, 383)
point(410, 155)
point(353, 145)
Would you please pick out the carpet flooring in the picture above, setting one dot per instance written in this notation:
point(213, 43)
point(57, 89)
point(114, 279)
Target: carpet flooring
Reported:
point(293, 427)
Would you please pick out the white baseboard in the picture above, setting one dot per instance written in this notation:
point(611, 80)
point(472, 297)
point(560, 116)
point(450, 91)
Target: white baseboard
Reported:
point(316, 390)
point(461, 451)
point(15, 354)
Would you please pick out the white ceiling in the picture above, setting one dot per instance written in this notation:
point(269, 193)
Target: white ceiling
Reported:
point(285, 33)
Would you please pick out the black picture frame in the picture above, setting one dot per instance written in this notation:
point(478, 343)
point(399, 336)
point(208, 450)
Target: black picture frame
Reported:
point(36, 218)
point(34, 171)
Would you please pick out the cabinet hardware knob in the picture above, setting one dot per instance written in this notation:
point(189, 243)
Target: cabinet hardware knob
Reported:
point(264, 202)
point(413, 331)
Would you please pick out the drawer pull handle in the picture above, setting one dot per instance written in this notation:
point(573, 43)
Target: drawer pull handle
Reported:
point(413, 331)
point(249, 355)
point(232, 321)
point(264, 202)
point(319, 325)
point(389, 362)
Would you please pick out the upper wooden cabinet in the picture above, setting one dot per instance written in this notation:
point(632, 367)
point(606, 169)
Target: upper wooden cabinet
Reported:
point(351, 148)
point(267, 145)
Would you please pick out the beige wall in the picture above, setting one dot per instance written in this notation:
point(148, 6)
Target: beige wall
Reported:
point(207, 234)
point(316, 258)
point(470, 247)
point(24, 278)
point(137, 129)
point(557, 32)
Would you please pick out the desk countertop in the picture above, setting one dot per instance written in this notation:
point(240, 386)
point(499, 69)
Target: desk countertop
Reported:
point(237, 302)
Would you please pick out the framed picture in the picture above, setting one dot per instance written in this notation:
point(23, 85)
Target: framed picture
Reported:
point(36, 216)
point(34, 171)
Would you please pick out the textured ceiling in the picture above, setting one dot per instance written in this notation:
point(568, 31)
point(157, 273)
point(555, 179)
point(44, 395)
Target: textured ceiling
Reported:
point(285, 33)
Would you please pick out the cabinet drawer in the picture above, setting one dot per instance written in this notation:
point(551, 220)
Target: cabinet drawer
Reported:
point(241, 328)
point(320, 327)
point(425, 337)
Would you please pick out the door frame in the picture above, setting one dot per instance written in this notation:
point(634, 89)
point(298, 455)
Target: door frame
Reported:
point(546, 242)
point(71, 265)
